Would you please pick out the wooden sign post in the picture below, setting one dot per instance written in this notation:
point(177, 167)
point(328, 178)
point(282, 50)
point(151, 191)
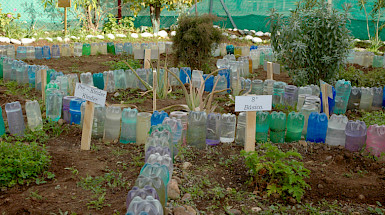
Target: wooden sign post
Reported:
point(269, 71)
point(251, 104)
point(91, 95)
point(325, 89)
point(147, 58)
point(154, 86)
point(65, 4)
point(43, 74)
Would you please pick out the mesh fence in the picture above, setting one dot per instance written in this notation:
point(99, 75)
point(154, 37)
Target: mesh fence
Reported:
point(247, 14)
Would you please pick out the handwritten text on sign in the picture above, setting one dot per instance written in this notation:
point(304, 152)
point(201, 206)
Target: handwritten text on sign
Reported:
point(253, 103)
point(91, 94)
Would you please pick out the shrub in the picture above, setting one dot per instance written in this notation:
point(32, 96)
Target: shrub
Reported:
point(311, 43)
point(277, 171)
point(358, 78)
point(122, 26)
point(5, 21)
point(22, 163)
point(194, 38)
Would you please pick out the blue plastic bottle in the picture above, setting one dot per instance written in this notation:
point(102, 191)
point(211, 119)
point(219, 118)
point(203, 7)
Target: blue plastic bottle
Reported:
point(158, 117)
point(75, 111)
point(39, 52)
point(127, 48)
point(209, 82)
point(383, 98)
point(185, 75)
point(46, 52)
point(98, 80)
point(317, 127)
point(226, 73)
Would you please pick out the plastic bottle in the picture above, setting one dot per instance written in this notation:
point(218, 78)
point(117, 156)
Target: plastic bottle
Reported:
point(66, 108)
point(185, 74)
point(161, 150)
point(110, 48)
point(176, 130)
point(38, 52)
point(295, 123)
point(99, 119)
point(142, 193)
point(227, 128)
point(55, 49)
point(63, 84)
point(212, 132)
point(354, 98)
point(335, 135)
point(72, 80)
point(15, 118)
point(209, 82)
point(46, 52)
point(11, 52)
point(94, 48)
point(120, 79)
point(162, 160)
point(355, 135)
point(128, 128)
point(268, 87)
point(65, 50)
point(21, 53)
point(246, 86)
point(143, 127)
point(290, 97)
point(196, 78)
point(148, 205)
point(155, 141)
point(221, 82)
point(367, 95)
point(343, 89)
point(306, 109)
point(103, 48)
point(278, 92)
point(257, 87)
point(30, 53)
point(2, 125)
point(277, 124)
point(118, 48)
point(86, 51)
point(7, 69)
point(315, 90)
point(184, 119)
point(240, 134)
point(127, 48)
point(112, 124)
point(377, 98)
point(109, 81)
point(53, 104)
point(75, 111)
point(196, 131)
point(230, 49)
point(262, 126)
point(32, 109)
point(1, 66)
point(78, 49)
point(375, 142)
point(317, 127)
point(157, 169)
point(86, 78)
point(158, 117)
point(154, 181)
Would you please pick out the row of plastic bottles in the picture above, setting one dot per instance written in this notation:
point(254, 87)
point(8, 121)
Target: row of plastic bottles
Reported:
point(365, 59)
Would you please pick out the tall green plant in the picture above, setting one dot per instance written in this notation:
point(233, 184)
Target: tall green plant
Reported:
point(312, 42)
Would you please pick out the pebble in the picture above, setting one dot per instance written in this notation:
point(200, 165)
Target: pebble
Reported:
point(173, 190)
point(173, 33)
point(186, 165)
point(89, 36)
point(100, 37)
point(267, 34)
point(361, 197)
point(181, 211)
point(328, 158)
point(248, 37)
point(162, 34)
point(146, 34)
point(116, 94)
point(225, 34)
point(67, 39)
point(233, 37)
point(320, 186)
point(5, 40)
point(59, 39)
point(186, 197)
point(177, 179)
point(61, 122)
point(190, 209)
point(73, 37)
point(257, 40)
point(234, 212)
point(110, 36)
point(134, 35)
point(256, 209)
point(259, 34)
point(15, 41)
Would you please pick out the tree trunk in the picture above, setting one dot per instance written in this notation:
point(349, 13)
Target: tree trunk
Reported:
point(155, 17)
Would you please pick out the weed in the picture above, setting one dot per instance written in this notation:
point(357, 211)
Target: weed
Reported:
point(35, 196)
point(98, 203)
point(377, 210)
point(122, 65)
point(137, 160)
point(61, 213)
point(73, 170)
point(374, 117)
point(119, 152)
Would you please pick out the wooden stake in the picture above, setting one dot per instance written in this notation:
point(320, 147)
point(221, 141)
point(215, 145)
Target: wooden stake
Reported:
point(65, 21)
point(147, 58)
point(325, 101)
point(269, 71)
point(43, 74)
point(154, 86)
point(87, 126)
point(250, 131)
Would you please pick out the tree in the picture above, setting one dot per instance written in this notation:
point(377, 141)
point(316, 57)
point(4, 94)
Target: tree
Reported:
point(156, 7)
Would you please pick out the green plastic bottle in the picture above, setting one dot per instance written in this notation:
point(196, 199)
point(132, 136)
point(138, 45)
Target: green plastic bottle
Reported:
point(2, 126)
point(86, 51)
point(110, 48)
point(262, 126)
point(277, 127)
point(1, 67)
point(295, 122)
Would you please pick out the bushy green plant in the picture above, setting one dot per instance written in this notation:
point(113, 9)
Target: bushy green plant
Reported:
point(194, 38)
point(311, 43)
point(124, 25)
point(374, 78)
point(6, 19)
point(22, 163)
point(279, 172)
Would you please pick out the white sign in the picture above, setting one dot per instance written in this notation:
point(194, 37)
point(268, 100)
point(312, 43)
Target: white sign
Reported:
point(253, 103)
point(91, 94)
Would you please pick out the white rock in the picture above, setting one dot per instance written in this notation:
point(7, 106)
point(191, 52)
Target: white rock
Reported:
point(241, 38)
point(252, 31)
point(229, 29)
point(215, 26)
point(245, 29)
point(233, 37)
point(257, 40)
point(49, 39)
point(121, 35)
point(267, 34)
point(225, 34)
point(256, 209)
point(249, 37)
point(46, 32)
point(59, 39)
point(186, 165)
point(73, 37)
point(26, 40)
point(33, 39)
point(41, 38)
point(235, 29)
point(162, 34)
point(5, 40)
point(173, 33)
point(15, 41)
point(100, 37)
point(259, 34)
point(134, 35)
point(67, 39)
point(155, 34)
point(356, 40)
point(110, 36)
point(146, 34)
point(89, 36)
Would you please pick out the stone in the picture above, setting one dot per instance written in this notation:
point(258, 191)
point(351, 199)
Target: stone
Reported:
point(303, 143)
point(67, 39)
point(5, 40)
point(234, 212)
point(27, 41)
point(256, 209)
point(173, 190)
point(177, 179)
point(61, 122)
point(267, 34)
point(15, 41)
point(89, 36)
point(59, 39)
point(356, 213)
point(252, 31)
point(257, 40)
point(162, 34)
point(116, 94)
point(73, 37)
point(186, 197)
point(328, 158)
point(173, 33)
point(361, 197)
point(259, 34)
point(248, 37)
point(134, 35)
point(190, 209)
point(121, 35)
point(241, 38)
point(49, 39)
point(320, 186)
point(146, 34)
point(235, 29)
point(186, 165)
point(181, 211)
point(233, 37)
point(225, 34)
point(110, 36)
point(100, 37)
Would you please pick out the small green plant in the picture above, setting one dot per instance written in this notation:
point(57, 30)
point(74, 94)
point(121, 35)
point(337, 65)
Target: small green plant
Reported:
point(374, 117)
point(7, 23)
point(122, 26)
point(98, 203)
point(35, 196)
point(22, 163)
point(277, 172)
point(114, 65)
point(374, 78)
point(377, 210)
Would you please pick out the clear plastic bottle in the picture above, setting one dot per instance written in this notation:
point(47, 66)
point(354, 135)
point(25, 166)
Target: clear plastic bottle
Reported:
point(343, 89)
point(142, 193)
point(335, 135)
point(306, 109)
point(46, 52)
point(366, 98)
point(257, 87)
point(268, 87)
point(94, 48)
point(377, 98)
point(355, 135)
point(162, 160)
point(196, 78)
point(354, 98)
point(65, 50)
point(212, 132)
point(295, 123)
point(227, 128)
point(98, 122)
point(112, 124)
point(162, 150)
point(109, 81)
point(103, 48)
point(176, 129)
point(240, 134)
point(72, 80)
point(277, 124)
point(221, 83)
point(157, 169)
point(21, 53)
point(55, 51)
point(375, 142)
point(11, 51)
point(278, 92)
point(156, 182)
point(120, 79)
point(7, 69)
point(63, 84)
point(196, 131)
point(128, 128)
point(15, 118)
point(30, 53)
point(118, 48)
point(87, 79)
point(78, 49)
point(262, 126)
point(53, 104)
point(32, 109)
point(183, 116)
point(143, 127)
point(38, 52)
point(290, 97)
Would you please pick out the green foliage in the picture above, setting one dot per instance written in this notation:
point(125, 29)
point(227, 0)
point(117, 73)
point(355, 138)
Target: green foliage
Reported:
point(374, 117)
point(374, 78)
point(312, 43)
point(114, 65)
point(7, 21)
point(122, 26)
point(22, 163)
point(279, 171)
point(194, 38)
